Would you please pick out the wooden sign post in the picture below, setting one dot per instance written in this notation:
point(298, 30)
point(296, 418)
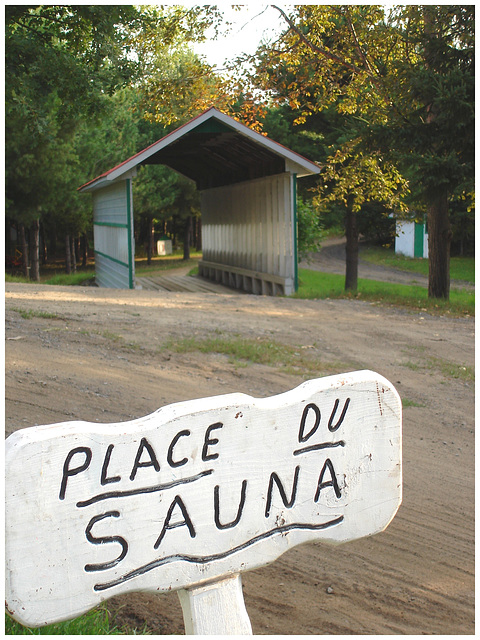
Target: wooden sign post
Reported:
point(194, 494)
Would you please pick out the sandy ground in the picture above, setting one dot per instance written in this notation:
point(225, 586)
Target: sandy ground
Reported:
point(103, 358)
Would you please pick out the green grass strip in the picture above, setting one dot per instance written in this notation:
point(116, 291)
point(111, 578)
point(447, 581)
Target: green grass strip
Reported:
point(319, 285)
point(94, 622)
point(71, 279)
point(244, 351)
point(461, 268)
point(27, 314)
point(79, 278)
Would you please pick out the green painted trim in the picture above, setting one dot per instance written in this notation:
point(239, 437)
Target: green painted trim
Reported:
point(418, 235)
point(213, 126)
point(131, 262)
point(104, 255)
point(111, 224)
point(295, 232)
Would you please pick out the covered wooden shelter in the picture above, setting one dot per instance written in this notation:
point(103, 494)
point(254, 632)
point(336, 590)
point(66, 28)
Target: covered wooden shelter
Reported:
point(247, 185)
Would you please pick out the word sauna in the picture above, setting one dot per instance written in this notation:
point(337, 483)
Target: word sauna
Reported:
point(195, 492)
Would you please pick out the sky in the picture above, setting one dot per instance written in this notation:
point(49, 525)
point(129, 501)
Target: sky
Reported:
point(251, 24)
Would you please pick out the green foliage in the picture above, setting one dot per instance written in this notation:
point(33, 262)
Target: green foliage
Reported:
point(61, 64)
point(67, 117)
point(433, 85)
point(179, 86)
point(462, 219)
point(309, 229)
point(111, 139)
point(156, 189)
point(375, 224)
point(401, 81)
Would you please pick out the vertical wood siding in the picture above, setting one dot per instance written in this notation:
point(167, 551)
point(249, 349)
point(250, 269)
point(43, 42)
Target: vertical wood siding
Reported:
point(113, 236)
point(250, 225)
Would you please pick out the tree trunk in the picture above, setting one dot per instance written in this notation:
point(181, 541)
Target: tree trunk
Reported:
point(199, 235)
point(186, 238)
point(84, 246)
point(35, 248)
point(68, 260)
point(150, 237)
point(73, 256)
point(351, 249)
point(439, 229)
point(439, 239)
point(174, 233)
point(43, 245)
point(23, 241)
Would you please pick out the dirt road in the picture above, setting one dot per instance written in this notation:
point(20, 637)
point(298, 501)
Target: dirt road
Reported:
point(101, 355)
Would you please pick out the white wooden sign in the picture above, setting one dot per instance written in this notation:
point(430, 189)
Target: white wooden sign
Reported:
point(195, 493)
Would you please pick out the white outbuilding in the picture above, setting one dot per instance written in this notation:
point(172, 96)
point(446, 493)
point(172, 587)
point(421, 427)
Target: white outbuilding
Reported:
point(247, 185)
point(411, 239)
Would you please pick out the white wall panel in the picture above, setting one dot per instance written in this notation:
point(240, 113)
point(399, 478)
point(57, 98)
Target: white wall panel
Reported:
point(405, 240)
point(110, 204)
point(110, 274)
point(112, 241)
point(113, 236)
point(250, 225)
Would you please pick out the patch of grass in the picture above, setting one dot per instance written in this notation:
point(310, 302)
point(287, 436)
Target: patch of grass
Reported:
point(73, 279)
point(411, 403)
point(413, 366)
point(318, 285)
point(453, 370)
point(109, 335)
point(460, 268)
point(27, 314)
point(10, 278)
point(243, 351)
point(450, 370)
point(116, 338)
point(94, 622)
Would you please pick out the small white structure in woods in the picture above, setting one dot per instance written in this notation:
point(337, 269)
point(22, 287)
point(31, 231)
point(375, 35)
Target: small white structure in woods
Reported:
point(247, 185)
point(411, 239)
point(241, 480)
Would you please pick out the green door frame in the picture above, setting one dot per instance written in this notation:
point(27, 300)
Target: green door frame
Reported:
point(419, 234)
point(295, 232)
point(131, 254)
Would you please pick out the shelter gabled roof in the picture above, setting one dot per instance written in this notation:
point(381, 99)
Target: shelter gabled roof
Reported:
point(214, 150)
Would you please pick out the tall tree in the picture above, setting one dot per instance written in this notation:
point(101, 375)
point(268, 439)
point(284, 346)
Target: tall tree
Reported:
point(62, 65)
point(355, 178)
point(434, 143)
point(404, 80)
